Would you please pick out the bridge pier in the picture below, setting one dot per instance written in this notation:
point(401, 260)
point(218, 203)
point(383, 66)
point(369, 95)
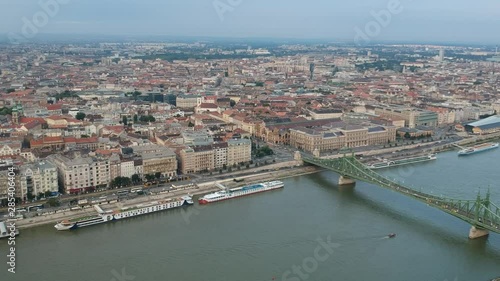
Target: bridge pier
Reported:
point(475, 232)
point(344, 180)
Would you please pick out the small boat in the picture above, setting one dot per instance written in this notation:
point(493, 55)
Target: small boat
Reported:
point(391, 235)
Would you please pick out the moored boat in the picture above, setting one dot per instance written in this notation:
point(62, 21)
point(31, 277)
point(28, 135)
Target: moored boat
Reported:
point(478, 148)
point(127, 212)
point(5, 232)
point(240, 191)
point(399, 162)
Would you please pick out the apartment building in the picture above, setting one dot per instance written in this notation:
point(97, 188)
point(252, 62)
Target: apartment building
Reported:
point(325, 113)
point(4, 180)
point(214, 156)
point(197, 159)
point(79, 174)
point(239, 151)
point(220, 154)
point(164, 162)
point(127, 168)
point(413, 117)
point(188, 101)
point(8, 148)
point(114, 166)
point(38, 177)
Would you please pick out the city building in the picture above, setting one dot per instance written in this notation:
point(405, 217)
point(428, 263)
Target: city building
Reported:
point(81, 173)
point(197, 159)
point(239, 151)
point(325, 113)
point(340, 135)
point(10, 148)
point(485, 126)
point(413, 117)
point(163, 162)
point(38, 178)
point(188, 101)
point(5, 175)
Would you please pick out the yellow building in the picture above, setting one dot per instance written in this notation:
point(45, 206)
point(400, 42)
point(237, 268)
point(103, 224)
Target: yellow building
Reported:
point(329, 139)
point(164, 162)
point(239, 151)
point(197, 159)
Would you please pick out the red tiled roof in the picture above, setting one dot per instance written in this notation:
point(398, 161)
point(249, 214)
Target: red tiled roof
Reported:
point(208, 105)
point(24, 120)
point(32, 124)
point(54, 106)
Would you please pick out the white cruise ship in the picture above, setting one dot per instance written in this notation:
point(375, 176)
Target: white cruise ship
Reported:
point(240, 191)
point(107, 216)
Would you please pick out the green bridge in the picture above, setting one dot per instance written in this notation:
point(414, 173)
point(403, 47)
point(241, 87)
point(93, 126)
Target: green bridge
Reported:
point(481, 213)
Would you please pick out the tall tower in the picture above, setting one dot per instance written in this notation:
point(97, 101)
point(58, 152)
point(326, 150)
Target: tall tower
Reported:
point(311, 69)
point(441, 54)
point(17, 113)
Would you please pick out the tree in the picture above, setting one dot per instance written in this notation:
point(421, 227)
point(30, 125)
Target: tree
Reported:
point(10, 90)
point(150, 177)
point(80, 116)
point(30, 196)
point(232, 103)
point(47, 194)
point(407, 135)
point(158, 175)
point(136, 178)
point(53, 202)
point(190, 124)
point(121, 181)
point(134, 94)
point(124, 120)
point(5, 111)
point(264, 151)
point(135, 118)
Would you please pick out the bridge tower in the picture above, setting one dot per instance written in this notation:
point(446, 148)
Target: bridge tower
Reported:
point(476, 231)
point(343, 179)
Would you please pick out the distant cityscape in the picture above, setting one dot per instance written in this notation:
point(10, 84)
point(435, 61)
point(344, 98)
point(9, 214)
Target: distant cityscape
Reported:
point(81, 118)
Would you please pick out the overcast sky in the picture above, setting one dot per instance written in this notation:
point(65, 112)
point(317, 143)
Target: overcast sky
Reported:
point(419, 20)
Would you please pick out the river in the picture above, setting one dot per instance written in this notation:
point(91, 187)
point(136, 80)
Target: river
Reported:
point(310, 230)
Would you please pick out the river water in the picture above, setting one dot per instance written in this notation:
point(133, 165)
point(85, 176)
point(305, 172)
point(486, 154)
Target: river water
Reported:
point(281, 235)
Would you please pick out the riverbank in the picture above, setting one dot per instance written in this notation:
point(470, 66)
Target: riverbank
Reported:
point(193, 190)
